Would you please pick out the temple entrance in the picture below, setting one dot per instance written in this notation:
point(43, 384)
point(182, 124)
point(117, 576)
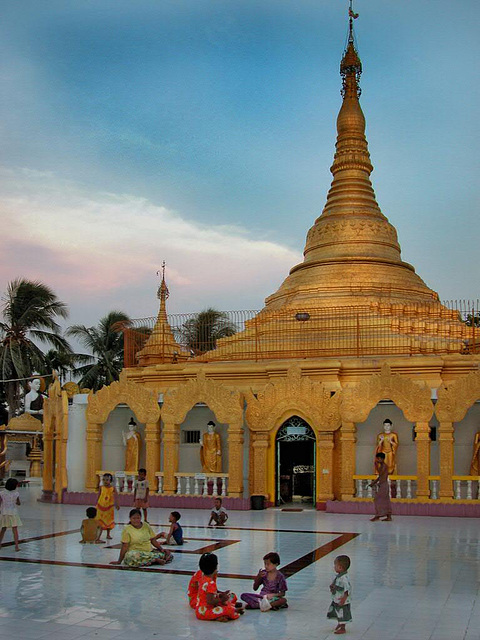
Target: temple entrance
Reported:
point(295, 462)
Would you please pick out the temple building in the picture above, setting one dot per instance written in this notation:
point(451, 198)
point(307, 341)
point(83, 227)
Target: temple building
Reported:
point(353, 353)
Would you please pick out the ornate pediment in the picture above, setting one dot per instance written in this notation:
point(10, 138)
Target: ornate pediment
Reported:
point(413, 398)
point(455, 399)
point(295, 394)
point(25, 422)
point(225, 403)
point(141, 400)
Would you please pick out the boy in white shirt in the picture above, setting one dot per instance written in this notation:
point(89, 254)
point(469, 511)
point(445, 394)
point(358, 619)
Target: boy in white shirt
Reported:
point(218, 515)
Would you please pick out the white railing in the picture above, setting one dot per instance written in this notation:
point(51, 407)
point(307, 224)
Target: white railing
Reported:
point(201, 484)
point(466, 487)
point(159, 477)
point(400, 486)
point(124, 481)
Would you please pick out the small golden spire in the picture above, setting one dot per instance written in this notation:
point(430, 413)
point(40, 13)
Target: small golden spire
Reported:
point(162, 292)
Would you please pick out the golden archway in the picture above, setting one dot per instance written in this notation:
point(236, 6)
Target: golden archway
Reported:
point(454, 400)
point(227, 405)
point(279, 400)
point(143, 403)
point(412, 398)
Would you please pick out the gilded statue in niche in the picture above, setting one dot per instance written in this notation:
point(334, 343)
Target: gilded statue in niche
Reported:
point(387, 443)
point(211, 450)
point(475, 464)
point(133, 443)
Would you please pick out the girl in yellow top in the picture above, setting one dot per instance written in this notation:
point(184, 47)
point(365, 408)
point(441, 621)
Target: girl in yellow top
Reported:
point(106, 501)
point(137, 540)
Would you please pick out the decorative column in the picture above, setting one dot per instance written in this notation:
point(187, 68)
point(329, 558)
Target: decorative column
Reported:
point(47, 465)
point(260, 447)
point(235, 460)
point(152, 450)
point(325, 447)
point(422, 440)
point(94, 454)
point(171, 438)
point(347, 460)
point(446, 441)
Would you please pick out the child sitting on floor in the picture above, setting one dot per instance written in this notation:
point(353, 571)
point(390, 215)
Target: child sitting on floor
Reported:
point(218, 515)
point(211, 603)
point(90, 529)
point(175, 532)
point(272, 595)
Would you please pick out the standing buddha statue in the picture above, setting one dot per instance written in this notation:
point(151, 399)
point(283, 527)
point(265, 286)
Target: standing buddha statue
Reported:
point(132, 442)
point(387, 443)
point(211, 450)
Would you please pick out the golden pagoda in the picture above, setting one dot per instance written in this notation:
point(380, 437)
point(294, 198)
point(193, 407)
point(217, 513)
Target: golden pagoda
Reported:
point(352, 294)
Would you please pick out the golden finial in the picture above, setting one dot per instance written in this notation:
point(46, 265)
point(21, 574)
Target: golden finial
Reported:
point(162, 292)
point(351, 66)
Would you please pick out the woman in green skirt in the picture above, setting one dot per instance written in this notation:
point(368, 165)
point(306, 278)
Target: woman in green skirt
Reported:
point(138, 538)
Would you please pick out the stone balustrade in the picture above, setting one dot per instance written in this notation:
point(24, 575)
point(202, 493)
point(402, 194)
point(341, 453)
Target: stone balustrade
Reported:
point(159, 477)
point(400, 486)
point(201, 484)
point(465, 487)
point(123, 481)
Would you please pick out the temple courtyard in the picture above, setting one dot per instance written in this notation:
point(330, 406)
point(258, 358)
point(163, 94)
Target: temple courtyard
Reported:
point(415, 578)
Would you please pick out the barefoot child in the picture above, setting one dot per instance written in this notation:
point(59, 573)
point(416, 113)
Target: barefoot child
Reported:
point(211, 603)
point(9, 518)
point(175, 532)
point(141, 493)
point(106, 501)
point(90, 529)
point(274, 586)
point(341, 590)
point(218, 515)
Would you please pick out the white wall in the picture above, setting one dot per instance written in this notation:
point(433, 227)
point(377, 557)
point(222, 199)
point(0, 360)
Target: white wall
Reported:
point(76, 445)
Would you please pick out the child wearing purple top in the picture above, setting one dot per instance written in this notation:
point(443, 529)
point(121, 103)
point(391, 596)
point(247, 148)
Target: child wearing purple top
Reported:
point(274, 586)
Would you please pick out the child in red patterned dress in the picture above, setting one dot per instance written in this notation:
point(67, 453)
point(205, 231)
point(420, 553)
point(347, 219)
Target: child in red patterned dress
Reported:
point(211, 603)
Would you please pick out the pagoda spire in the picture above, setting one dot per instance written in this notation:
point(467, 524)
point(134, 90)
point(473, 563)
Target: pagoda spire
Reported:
point(161, 346)
point(352, 250)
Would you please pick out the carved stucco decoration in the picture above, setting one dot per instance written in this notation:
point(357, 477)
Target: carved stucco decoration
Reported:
point(25, 422)
point(413, 398)
point(291, 395)
point(225, 403)
point(455, 399)
point(142, 401)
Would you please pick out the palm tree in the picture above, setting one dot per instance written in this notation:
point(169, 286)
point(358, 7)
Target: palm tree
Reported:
point(105, 343)
point(30, 311)
point(201, 332)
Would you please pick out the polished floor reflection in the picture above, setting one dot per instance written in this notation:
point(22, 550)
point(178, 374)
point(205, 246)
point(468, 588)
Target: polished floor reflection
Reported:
point(412, 579)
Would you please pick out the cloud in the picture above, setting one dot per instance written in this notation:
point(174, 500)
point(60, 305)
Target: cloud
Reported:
point(95, 247)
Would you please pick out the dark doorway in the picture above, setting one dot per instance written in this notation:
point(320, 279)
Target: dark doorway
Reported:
point(295, 458)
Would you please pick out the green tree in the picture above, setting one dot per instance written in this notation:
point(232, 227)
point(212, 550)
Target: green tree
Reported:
point(105, 344)
point(201, 332)
point(29, 317)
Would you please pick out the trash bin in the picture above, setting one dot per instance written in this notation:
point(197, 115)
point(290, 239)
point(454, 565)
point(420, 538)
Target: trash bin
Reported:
point(257, 502)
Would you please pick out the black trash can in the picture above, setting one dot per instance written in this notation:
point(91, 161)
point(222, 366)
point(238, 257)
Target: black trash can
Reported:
point(257, 502)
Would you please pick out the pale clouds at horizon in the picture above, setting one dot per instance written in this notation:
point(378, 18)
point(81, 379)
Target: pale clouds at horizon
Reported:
point(101, 250)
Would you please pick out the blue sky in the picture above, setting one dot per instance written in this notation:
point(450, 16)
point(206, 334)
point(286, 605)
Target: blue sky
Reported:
point(201, 132)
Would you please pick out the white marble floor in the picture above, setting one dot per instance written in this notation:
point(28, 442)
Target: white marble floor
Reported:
point(412, 579)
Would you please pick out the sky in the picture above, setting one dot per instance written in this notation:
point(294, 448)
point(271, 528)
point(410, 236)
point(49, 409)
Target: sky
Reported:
point(201, 132)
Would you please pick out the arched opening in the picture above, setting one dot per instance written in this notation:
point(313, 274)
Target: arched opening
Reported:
point(295, 462)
